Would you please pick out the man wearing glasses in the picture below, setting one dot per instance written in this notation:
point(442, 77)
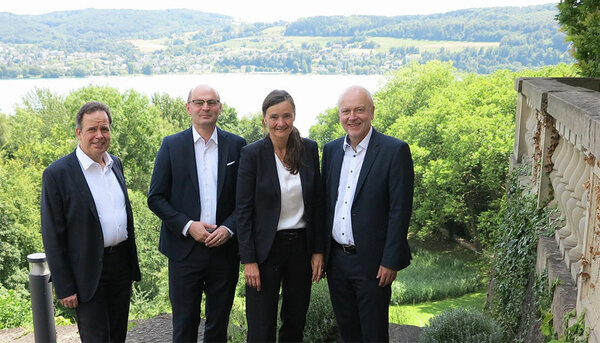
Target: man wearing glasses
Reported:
point(193, 192)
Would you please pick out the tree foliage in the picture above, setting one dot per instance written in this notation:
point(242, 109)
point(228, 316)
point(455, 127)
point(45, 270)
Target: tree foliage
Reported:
point(580, 19)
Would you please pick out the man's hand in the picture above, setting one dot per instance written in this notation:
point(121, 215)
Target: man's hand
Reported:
point(70, 301)
point(252, 274)
point(316, 263)
point(218, 237)
point(386, 276)
point(200, 231)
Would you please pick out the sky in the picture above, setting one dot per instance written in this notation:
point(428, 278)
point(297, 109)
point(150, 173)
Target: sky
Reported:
point(269, 10)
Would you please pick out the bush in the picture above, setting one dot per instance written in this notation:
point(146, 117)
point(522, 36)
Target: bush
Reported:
point(15, 308)
point(462, 326)
point(320, 321)
point(520, 223)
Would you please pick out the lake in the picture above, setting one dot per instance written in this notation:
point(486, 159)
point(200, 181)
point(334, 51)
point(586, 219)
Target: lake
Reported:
point(312, 94)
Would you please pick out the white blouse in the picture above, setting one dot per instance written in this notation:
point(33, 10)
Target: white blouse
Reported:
point(292, 202)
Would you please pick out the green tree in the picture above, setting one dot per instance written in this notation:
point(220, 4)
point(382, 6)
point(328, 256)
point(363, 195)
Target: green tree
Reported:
point(327, 128)
point(19, 221)
point(580, 19)
point(172, 110)
point(4, 130)
point(251, 127)
point(41, 129)
point(228, 120)
point(409, 89)
point(461, 136)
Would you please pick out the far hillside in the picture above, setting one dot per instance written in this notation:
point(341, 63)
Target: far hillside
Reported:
point(184, 41)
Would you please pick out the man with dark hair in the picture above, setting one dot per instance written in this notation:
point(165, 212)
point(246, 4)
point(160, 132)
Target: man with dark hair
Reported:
point(87, 229)
point(368, 182)
point(193, 192)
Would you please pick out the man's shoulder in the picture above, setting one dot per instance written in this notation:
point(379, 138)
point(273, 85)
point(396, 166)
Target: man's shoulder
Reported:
point(62, 163)
point(177, 136)
point(334, 143)
point(231, 137)
point(387, 140)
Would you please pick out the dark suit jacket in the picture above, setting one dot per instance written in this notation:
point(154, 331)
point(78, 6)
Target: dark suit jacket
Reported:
point(174, 195)
point(71, 230)
point(259, 199)
point(382, 203)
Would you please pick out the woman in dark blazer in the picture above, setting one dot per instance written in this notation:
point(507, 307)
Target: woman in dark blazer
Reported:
point(279, 233)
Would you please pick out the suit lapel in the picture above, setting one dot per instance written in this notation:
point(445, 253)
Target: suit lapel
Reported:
point(337, 157)
point(222, 159)
point(78, 180)
point(303, 171)
point(371, 155)
point(118, 171)
point(119, 175)
point(268, 158)
point(187, 149)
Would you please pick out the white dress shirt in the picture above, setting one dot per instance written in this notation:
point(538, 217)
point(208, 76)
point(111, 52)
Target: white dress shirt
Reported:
point(108, 197)
point(351, 166)
point(207, 158)
point(291, 215)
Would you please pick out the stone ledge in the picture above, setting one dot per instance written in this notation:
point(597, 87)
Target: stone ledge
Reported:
point(565, 294)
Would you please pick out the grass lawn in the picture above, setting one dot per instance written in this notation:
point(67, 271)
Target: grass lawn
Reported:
point(420, 314)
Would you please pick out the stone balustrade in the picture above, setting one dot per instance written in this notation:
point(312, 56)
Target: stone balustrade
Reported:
point(557, 140)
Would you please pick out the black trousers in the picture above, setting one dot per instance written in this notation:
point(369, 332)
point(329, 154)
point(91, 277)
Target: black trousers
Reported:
point(211, 271)
point(287, 266)
point(360, 306)
point(104, 317)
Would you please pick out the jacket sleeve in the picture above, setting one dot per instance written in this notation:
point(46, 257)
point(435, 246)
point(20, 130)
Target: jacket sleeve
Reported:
point(246, 185)
point(318, 210)
point(160, 192)
point(396, 254)
point(54, 236)
point(231, 221)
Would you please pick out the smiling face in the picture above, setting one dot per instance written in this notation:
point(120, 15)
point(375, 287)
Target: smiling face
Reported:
point(279, 118)
point(94, 135)
point(356, 111)
point(204, 116)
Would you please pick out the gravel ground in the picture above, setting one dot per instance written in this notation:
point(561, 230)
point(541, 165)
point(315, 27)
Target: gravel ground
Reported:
point(158, 330)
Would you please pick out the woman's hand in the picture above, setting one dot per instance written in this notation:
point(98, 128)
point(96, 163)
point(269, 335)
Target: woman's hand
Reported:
point(316, 262)
point(252, 275)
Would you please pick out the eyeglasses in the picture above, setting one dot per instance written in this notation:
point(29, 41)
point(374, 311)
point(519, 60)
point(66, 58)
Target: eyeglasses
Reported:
point(200, 102)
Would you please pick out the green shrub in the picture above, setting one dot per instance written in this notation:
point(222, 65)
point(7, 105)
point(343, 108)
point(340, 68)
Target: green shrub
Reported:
point(520, 223)
point(320, 321)
point(15, 308)
point(462, 326)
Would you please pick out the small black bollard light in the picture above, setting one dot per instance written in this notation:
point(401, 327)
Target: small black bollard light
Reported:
point(42, 306)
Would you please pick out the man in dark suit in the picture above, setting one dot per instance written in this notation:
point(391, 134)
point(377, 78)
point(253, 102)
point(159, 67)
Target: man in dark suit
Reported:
point(87, 228)
point(368, 183)
point(193, 192)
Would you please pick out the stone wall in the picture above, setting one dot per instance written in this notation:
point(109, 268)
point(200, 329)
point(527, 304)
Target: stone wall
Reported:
point(558, 140)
